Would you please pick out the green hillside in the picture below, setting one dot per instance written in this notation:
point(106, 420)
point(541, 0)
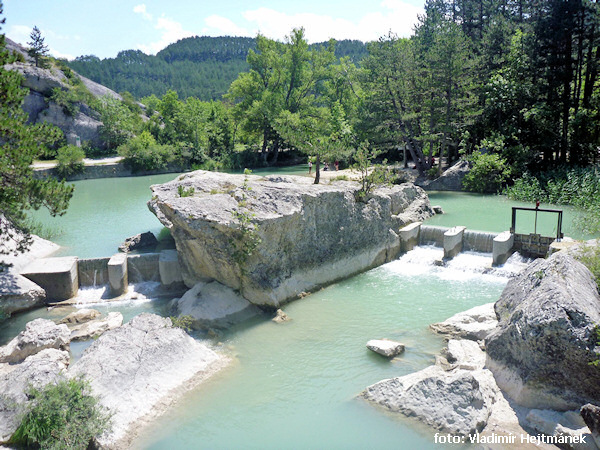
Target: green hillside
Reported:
point(201, 67)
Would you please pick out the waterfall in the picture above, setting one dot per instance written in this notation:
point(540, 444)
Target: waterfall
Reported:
point(466, 266)
point(95, 273)
point(432, 235)
point(479, 241)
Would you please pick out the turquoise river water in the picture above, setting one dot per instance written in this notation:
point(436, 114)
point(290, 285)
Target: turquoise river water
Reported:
point(295, 385)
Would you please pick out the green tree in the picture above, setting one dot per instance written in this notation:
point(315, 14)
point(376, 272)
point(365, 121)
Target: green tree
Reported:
point(20, 144)
point(61, 416)
point(118, 122)
point(38, 50)
point(283, 77)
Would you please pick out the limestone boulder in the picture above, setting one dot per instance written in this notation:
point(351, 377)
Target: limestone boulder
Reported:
point(94, 328)
point(213, 305)
point(17, 293)
point(465, 354)
point(476, 323)
point(39, 334)
point(37, 370)
point(541, 351)
point(457, 402)
point(139, 368)
point(80, 316)
point(308, 235)
point(385, 347)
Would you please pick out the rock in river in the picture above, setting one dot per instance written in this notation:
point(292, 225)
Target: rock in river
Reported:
point(385, 347)
point(138, 368)
point(39, 334)
point(458, 401)
point(541, 351)
point(309, 234)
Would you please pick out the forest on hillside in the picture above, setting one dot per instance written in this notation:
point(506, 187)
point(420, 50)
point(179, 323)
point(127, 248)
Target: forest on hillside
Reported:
point(201, 67)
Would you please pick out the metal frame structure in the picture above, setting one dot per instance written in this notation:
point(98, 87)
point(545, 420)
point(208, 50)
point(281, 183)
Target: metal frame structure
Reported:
point(513, 227)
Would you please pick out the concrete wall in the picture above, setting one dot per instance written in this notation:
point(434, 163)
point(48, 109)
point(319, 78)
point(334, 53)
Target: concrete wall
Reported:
point(93, 271)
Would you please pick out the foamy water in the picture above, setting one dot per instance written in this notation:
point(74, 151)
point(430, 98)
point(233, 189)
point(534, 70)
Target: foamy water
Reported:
point(466, 266)
point(100, 295)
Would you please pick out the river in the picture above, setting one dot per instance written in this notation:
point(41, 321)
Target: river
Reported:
point(294, 385)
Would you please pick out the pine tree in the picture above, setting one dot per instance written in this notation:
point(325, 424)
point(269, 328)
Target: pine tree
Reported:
point(37, 48)
point(20, 143)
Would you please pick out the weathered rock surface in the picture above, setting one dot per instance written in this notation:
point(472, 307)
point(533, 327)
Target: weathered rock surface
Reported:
point(37, 370)
point(41, 82)
point(545, 340)
point(213, 305)
point(138, 368)
point(80, 316)
point(39, 79)
point(139, 241)
point(17, 293)
point(39, 334)
point(458, 402)
point(310, 234)
point(591, 416)
point(465, 354)
point(94, 328)
point(450, 180)
point(476, 323)
point(385, 347)
point(83, 125)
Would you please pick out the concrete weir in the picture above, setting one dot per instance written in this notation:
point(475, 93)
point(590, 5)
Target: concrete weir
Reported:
point(457, 239)
point(62, 277)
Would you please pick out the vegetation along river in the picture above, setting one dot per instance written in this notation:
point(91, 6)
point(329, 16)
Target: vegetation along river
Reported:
point(293, 385)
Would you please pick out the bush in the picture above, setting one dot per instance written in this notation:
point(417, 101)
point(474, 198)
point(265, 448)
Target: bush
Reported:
point(61, 416)
point(70, 160)
point(143, 153)
point(67, 100)
point(488, 173)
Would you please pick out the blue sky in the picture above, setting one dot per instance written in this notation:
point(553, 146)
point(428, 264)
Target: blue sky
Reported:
point(103, 28)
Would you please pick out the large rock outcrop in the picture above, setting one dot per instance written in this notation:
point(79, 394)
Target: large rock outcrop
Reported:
point(457, 401)
point(138, 368)
point(39, 106)
point(212, 305)
point(310, 235)
point(541, 351)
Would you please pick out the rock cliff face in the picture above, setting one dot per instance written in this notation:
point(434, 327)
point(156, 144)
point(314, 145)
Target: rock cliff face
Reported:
point(310, 235)
point(41, 82)
point(545, 340)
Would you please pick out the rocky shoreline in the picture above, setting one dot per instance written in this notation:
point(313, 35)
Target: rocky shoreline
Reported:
point(137, 370)
point(520, 367)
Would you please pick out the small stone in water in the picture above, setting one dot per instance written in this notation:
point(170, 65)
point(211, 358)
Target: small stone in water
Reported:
point(385, 347)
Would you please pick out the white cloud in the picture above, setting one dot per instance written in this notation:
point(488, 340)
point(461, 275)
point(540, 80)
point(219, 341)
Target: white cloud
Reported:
point(222, 26)
point(400, 17)
point(141, 9)
point(19, 33)
point(171, 31)
point(61, 55)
